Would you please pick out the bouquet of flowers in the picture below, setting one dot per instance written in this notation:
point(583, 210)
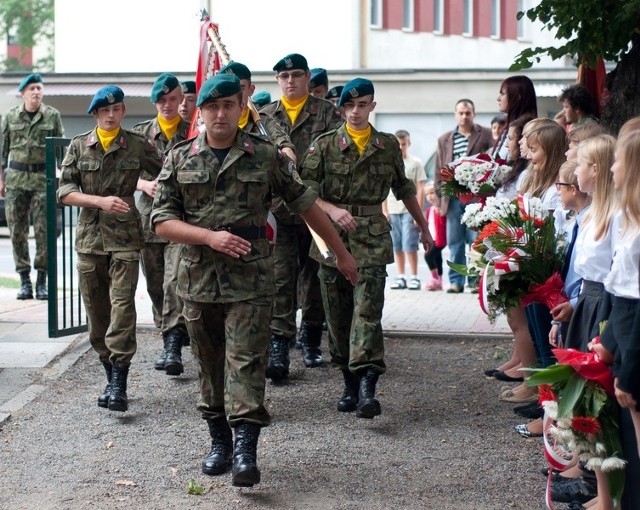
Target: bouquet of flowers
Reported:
point(472, 176)
point(577, 395)
point(517, 255)
point(479, 214)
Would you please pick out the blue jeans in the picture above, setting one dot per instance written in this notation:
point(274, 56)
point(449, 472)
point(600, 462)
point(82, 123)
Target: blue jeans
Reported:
point(458, 235)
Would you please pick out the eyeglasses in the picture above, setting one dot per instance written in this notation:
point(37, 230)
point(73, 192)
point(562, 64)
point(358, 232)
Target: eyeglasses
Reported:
point(296, 75)
point(560, 184)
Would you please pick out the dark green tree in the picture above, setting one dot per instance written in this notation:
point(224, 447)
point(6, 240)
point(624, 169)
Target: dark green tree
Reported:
point(588, 30)
point(28, 22)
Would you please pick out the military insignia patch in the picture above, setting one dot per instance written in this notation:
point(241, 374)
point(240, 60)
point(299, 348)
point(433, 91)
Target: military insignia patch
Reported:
point(288, 63)
point(291, 167)
point(311, 149)
point(296, 175)
point(165, 89)
point(111, 98)
point(354, 92)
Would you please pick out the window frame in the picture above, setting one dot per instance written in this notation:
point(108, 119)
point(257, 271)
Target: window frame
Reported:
point(467, 31)
point(375, 10)
point(438, 17)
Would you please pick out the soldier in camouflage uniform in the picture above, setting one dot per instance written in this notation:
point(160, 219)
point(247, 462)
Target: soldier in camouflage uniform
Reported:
point(160, 258)
point(353, 168)
point(24, 130)
point(214, 196)
point(188, 104)
point(100, 173)
point(304, 117)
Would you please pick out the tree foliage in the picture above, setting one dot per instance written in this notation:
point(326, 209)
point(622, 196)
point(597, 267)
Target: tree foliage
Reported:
point(587, 30)
point(30, 22)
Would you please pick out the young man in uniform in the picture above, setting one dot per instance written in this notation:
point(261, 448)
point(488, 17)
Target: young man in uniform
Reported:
point(213, 197)
point(188, 104)
point(353, 168)
point(319, 83)
point(24, 131)
point(304, 117)
point(100, 173)
point(159, 257)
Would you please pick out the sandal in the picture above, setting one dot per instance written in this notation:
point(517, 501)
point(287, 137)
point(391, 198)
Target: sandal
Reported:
point(400, 283)
point(510, 396)
point(524, 431)
point(414, 284)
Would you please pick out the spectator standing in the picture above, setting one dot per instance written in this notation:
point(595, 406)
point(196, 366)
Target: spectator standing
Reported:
point(24, 130)
point(578, 106)
point(404, 232)
point(465, 139)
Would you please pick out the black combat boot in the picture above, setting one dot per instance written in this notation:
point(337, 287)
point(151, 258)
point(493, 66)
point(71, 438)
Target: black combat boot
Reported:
point(103, 400)
point(173, 362)
point(368, 406)
point(310, 338)
point(118, 399)
point(349, 400)
point(162, 359)
point(41, 286)
point(26, 290)
point(219, 459)
point(278, 364)
point(245, 468)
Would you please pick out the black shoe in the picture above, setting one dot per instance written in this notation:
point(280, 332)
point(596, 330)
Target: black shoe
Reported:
point(572, 489)
point(278, 363)
point(245, 469)
point(368, 406)
point(41, 286)
point(118, 400)
point(219, 459)
point(103, 400)
point(501, 376)
point(349, 400)
point(26, 290)
point(310, 337)
point(162, 359)
point(173, 362)
point(532, 411)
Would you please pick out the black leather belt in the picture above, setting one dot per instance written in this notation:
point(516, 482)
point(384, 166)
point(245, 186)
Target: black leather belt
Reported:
point(24, 167)
point(248, 233)
point(361, 210)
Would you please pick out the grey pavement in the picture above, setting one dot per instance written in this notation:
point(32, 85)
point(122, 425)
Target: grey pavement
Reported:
point(29, 358)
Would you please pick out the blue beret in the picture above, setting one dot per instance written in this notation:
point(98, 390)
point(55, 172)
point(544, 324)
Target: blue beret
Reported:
point(188, 87)
point(261, 98)
point(241, 71)
point(292, 61)
point(28, 80)
point(164, 84)
point(355, 88)
point(334, 92)
point(106, 96)
point(318, 77)
point(220, 85)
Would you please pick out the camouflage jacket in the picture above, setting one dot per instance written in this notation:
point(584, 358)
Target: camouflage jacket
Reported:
point(317, 117)
point(277, 134)
point(88, 169)
point(196, 188)
point(151, 129)
point(333, 167)
point(24, 137)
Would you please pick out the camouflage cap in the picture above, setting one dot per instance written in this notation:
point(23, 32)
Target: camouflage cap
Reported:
point(188, 87)
point(355, 88)
point(334, 92)
point(318, 77)
point(28, 80)
point(241, 71)
point(291, 61)
point(220, 85)
point(261, 98)
point(106, 96)
point(164, 84)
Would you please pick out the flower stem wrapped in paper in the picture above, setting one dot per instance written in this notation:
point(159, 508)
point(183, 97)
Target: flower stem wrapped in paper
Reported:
point(577, 394)
point(518, 256)
point(472, 176)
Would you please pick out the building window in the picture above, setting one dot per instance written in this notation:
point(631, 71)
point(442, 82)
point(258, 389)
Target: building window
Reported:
point(438, 16)
point(375, 13)
point(407, 15)
point(495, 18)
point(468, 18)
point(523, 23)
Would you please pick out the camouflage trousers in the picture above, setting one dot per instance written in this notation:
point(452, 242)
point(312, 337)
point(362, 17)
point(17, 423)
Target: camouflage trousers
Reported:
point(18, 204)
point(354, 316)
point(108, 287)
point(229, 341)
point(295, 274)
point(159, 263)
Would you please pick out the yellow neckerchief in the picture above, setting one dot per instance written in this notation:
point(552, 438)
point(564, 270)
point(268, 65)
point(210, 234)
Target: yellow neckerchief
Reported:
point(244, 118)
point(107, 137)
point(360, 137)
point(169, 126)
point(293, 107)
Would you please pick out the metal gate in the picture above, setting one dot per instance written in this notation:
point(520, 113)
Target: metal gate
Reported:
point(66, 310)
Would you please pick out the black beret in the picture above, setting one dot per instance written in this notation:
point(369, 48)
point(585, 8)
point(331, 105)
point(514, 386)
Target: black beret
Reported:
point(334, 92)
point(318, 77)
point(220, 85)
point(355, 88)
point(28, 80)
point(106, 96)
point(291, 61)
point(241, 71)
point(188, 87)
point(164, 84)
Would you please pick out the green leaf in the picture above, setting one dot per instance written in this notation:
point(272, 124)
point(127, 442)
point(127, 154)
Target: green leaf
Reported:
point(550, 375)
point(462, 269)
point(195, 489)
point(570, 395)
point(615, 480)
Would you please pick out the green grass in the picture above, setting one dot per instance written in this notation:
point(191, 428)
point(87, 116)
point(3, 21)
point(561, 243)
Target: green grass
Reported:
point(10, 283)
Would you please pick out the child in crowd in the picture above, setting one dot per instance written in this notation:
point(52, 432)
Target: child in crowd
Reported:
point(438, 228)
point(580, 134)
